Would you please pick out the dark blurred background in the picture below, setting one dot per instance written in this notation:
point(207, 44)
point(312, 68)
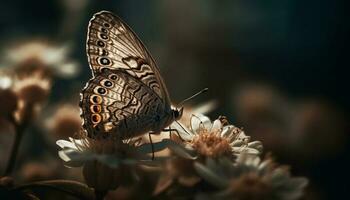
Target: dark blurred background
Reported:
point(276, 67)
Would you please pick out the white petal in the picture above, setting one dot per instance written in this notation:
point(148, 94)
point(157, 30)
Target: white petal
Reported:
point(245, 150)
point(66, 144)
point(216, 125)
point(179, 150)
point(62, 154)
point(200, 121)
point(184, 133)
point(265, 164)
point(248, 159)
point(256, 145)
point(242, 136)
point(237, 143)
point(227, 131)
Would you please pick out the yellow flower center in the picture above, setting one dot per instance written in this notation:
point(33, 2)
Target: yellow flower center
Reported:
point(211, 144)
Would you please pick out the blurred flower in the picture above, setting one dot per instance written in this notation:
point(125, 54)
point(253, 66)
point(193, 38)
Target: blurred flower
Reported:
point(65, 122)
point(32, 55)
point(22, 94)
point(6, 80)
point(265, 113)
point(252, 99)
point(32, 91)
point(8, 104)
point(6, 181)
point(207, 139)
point(8, 98)
point(319, 130)
point(39, 171)
point(106, 163)
point(250, 178)
point(283, 123)
point(33, 88)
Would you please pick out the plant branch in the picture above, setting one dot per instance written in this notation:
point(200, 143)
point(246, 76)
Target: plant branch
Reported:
point(19, 130)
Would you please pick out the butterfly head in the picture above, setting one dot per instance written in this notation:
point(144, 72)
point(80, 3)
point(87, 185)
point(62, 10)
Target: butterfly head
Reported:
point(177, 113)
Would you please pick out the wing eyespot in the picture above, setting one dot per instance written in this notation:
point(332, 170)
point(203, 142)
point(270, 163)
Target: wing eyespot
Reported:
point(95, 108)
point(96, 118)
point(103, 30)
point(100, 43)
point(96, 99)
point(103, 36)
point(104, 69)
point(104, 61)
point(104, 52)
point(101, 90)
point(113, 77)
point(106, 83)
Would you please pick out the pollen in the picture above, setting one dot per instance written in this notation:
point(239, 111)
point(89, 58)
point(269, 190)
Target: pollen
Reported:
point(211, 144)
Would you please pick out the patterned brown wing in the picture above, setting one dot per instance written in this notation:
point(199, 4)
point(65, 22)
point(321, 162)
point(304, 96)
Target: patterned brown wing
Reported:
point(115, 104)
point(112, 44)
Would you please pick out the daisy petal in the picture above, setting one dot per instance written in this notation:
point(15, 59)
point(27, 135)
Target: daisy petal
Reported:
point(66, 144)
point(210, 176)
point(180, 150)
point(200, 121)
point(216, 125)
point(184, 133)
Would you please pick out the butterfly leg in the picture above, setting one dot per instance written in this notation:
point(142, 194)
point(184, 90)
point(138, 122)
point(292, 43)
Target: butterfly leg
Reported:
point(175, 130)
point(150, 139)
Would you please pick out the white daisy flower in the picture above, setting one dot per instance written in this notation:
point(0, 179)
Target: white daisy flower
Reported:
point(250, 178)
point(107, 164)
point(214, 139)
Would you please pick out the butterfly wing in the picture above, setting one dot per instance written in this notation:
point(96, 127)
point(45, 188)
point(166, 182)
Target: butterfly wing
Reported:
point(112, 44)
point(115, 104)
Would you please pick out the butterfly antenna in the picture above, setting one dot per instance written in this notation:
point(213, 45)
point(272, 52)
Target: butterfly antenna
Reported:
point(193, 96)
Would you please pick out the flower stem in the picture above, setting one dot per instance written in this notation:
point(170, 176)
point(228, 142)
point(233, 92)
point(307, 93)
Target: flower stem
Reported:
point(27, 114)
point(19, 130)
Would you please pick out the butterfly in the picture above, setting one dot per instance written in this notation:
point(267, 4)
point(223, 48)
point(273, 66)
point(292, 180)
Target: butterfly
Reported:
point(126, 96)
